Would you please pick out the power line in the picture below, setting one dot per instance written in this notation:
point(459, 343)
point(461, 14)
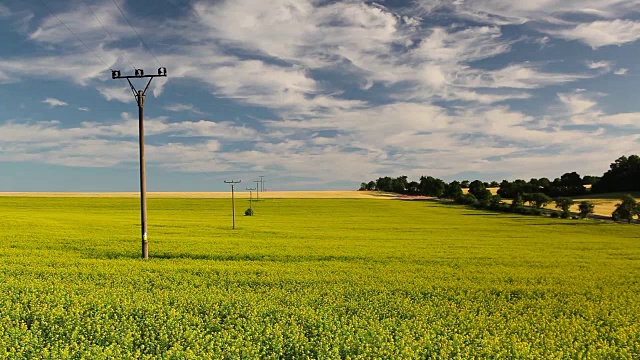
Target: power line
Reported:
point(109, 36)
point(74, 34)
point(134, 30)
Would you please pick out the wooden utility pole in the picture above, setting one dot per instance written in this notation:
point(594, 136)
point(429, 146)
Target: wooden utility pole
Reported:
point(261, 183)
point(233, 200)
point(251, 198)
point(257, 187)
point(139, 95)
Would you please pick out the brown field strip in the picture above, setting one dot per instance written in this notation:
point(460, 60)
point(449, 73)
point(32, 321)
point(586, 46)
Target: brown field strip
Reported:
point(347, 194)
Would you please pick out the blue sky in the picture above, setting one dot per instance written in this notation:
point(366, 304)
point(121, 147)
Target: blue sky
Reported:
point(316, 94)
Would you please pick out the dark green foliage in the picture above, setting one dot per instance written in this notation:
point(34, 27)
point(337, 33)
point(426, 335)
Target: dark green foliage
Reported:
point(480, 191)
point(564, 215)
point(384, 184)
point(248, 212)
point(363, 187)
point(430, 186)
point(413, 188)
point(570, 184)
point(399, 185)
point(371, 185)
point(627, 209)
point(623, 175)
point(517, 202)
point(555, 215)
point(586, 208)
point(453, 190)
point(590, 180)
point(465, 184)
point(538, 200)
point(496, 201)
point(564, 203)
point(467, 199)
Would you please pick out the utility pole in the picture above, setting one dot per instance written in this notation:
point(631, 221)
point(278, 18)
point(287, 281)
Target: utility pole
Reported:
point(257, 192)
point(139, 95)
point(233, 200)
point(251, 198)
point(261, 183)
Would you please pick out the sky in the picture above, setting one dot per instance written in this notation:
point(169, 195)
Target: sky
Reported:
point(314, 95)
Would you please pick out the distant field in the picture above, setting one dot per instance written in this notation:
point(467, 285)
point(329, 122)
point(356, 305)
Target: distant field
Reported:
point(311, 278)
point(605, 203)
point(346, 194)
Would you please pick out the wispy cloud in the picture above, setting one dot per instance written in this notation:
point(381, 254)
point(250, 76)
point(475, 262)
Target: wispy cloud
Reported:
point(52, 102)
point(602, 33)
point(184, 107)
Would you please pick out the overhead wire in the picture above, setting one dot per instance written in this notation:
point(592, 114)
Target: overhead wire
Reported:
point(109, 36)
point(76, 36)
point(134, 30)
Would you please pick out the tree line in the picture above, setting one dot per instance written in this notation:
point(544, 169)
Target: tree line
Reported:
point(623, 175)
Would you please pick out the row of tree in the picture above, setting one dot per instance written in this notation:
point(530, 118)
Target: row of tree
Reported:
point(623, 176)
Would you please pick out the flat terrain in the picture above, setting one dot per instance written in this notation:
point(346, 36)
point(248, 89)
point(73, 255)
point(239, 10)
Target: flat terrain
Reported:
point(344, 194)
point(312, 278)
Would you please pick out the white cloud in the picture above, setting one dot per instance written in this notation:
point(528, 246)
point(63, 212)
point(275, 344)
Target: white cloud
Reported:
point(84, 109)
point(606, 65)
point(518, 12)
point(602, 33)
point(577, 103)
point(621, 71)
point(52, 102)
point(183, 107)
point(118, 93)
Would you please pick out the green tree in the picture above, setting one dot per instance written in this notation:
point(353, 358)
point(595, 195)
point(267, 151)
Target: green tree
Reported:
point(413, 188)
point(399, 185)
point(496, 201)
point(480, 191)
point(363, 187)
point(539, 200)
point(564, 203)
point(586, 209)
point(371, 185)
point(465, 184)
point(430, 186)
point(453, 190)
point(517, 202)
point(384, 184)
point(626, 209)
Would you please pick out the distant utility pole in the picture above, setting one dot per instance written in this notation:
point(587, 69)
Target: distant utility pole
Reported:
point(233, 200)
point(251, 198)
point(139, 95)
point(257, 192)
point(261, 183)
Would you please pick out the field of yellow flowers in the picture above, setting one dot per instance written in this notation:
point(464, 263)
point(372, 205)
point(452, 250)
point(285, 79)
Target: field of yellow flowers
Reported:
point(311, 278)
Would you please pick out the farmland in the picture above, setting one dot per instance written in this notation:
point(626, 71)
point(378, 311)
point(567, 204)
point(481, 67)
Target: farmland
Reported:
point(311, 278)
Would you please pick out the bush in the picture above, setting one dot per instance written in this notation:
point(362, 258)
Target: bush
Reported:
point(564, 215)
point(555, 215)
point(248, 212)
point(536, 212)
point(523, 211)
point(467, 199)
